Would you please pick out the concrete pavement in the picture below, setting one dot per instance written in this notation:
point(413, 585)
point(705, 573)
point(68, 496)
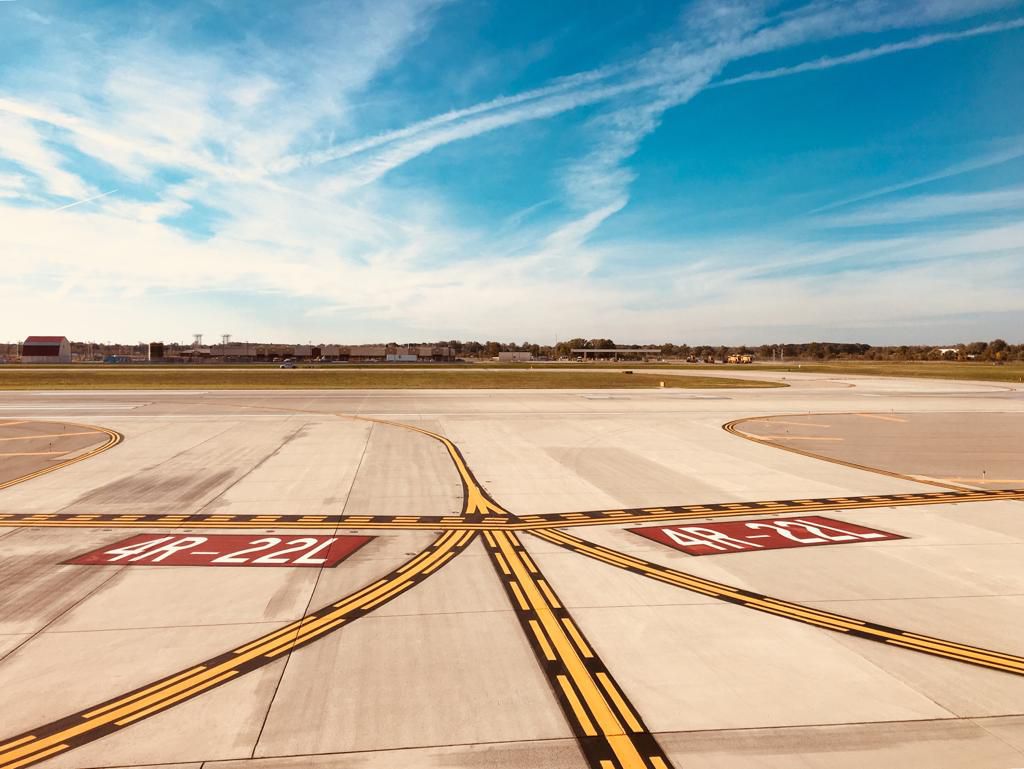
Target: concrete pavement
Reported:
point(450, 671)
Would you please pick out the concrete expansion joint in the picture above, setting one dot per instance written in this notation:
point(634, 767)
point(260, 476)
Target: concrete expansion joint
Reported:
point(608, 728)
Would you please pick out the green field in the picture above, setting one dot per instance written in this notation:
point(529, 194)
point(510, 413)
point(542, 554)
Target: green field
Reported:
point(153, 378)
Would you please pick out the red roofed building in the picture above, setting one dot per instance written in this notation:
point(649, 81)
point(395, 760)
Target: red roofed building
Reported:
point(46, 349)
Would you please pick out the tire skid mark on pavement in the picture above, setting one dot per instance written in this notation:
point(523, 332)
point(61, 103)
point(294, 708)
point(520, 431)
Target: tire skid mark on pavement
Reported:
point(610, 731)
point(119, 712)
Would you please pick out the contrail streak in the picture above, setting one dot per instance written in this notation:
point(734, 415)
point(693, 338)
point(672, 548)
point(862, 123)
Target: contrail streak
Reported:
point(924, 41)
point(86, 200)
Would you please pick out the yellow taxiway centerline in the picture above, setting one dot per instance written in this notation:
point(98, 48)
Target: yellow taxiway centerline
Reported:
point(611, 732)
point(113, 438)
point(1009, 663)
point(98, 720)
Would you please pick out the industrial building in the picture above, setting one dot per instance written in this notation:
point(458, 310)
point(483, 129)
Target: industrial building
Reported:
point(614, 353)
point(46, 349)
point(365, 353)
point(57, 349)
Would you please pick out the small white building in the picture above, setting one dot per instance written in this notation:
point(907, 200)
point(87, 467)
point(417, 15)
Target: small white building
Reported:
point(46, 349)
point(515, 357)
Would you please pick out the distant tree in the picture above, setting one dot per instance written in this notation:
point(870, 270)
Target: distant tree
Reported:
point(975, 348)
point(996, 350)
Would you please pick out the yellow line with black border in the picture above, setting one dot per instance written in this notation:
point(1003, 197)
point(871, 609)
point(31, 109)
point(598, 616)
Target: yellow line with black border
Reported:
point(99, 720)
point(488, 519)
point(113, 438)
point(608, 728)
point(974, 655)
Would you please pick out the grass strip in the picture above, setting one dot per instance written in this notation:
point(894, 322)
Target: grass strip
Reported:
point(146, 378)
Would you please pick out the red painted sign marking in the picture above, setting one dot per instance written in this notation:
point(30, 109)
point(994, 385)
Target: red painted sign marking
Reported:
point(224, 550)
point(763, 534)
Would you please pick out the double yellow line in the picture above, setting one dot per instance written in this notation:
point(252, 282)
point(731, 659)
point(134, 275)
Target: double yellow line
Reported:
point(97, 721)
point(476, 500)
point(974, 655)
point(113, 438)
point(610, 729)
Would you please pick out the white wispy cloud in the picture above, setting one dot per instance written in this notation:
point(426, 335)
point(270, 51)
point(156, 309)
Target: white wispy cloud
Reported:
point(927, 207)
point(1008, 151)
point(666, 77)
point(26, 147)
point(242, 136)
point(827, 62)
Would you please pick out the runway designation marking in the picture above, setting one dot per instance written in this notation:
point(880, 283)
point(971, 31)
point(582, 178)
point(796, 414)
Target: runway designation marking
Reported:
point(608, 727)
point(769, 533)
point(114, 714)
point(318, 552)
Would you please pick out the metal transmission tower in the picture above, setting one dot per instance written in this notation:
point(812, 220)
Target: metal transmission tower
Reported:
point(197, 340)
point(225, 339)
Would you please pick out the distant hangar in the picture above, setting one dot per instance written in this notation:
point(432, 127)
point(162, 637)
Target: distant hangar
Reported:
point(46, 349)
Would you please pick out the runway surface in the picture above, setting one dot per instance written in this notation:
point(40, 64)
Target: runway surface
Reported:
point(455, 578)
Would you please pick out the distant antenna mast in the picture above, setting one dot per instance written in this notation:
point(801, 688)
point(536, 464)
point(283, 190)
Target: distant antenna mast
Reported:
point(197, 340)
point(225, 339)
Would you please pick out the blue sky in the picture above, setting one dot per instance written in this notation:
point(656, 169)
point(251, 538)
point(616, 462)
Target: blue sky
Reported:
point(708, 172)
